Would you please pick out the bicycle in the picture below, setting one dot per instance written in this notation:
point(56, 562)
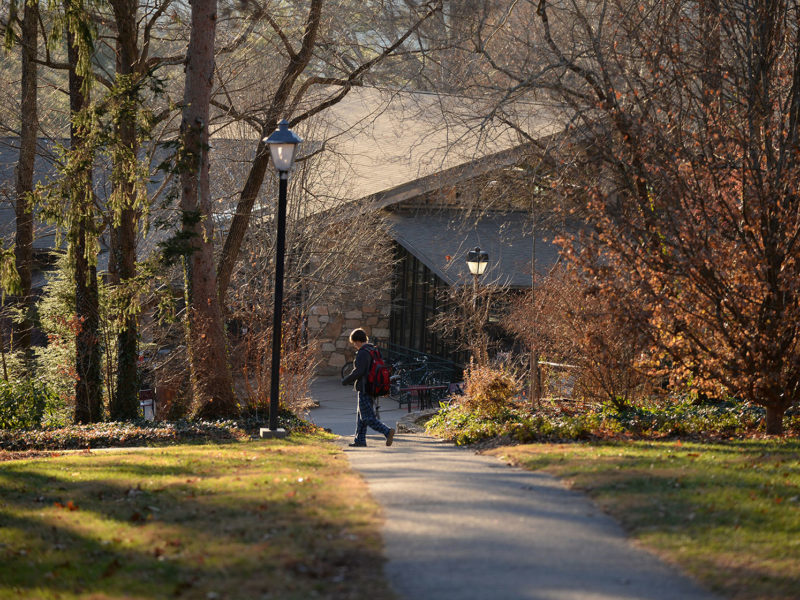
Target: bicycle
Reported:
point(347, 368)
point(417, 371)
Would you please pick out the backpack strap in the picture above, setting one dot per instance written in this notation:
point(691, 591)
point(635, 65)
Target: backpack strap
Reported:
point(368, 347)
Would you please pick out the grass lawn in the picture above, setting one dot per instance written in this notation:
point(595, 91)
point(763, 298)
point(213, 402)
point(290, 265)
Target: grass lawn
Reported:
point(276, 519)
point(727, 513)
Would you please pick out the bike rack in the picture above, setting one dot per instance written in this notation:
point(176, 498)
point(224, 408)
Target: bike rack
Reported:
point(449, 370)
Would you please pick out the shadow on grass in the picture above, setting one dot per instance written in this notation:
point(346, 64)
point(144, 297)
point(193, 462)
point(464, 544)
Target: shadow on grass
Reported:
point(106, 526)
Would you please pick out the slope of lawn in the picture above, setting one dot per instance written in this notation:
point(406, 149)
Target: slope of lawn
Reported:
point(727, 513)
point(276, 519)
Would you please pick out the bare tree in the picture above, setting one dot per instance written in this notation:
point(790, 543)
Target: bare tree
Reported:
point(289, 96)
point(336, 257)
point(464, 320)
point(683, 127)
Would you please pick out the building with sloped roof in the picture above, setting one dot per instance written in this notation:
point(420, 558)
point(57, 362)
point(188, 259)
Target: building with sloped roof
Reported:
point(424, 161)
point(421, 160)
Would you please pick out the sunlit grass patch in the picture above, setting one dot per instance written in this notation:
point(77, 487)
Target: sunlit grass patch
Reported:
point(727, 513)
point(266, 519)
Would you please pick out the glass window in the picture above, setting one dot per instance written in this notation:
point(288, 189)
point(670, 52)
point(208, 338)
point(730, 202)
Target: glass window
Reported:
point(415, 292)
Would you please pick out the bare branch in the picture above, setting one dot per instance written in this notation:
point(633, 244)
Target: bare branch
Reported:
point(354, 78)
point(146, 35)
point(232, 112)
point(287, 44)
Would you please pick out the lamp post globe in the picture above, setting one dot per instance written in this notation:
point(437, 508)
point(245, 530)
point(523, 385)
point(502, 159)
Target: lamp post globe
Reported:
point(282, 145)
point(476, 263)
point(477, 260)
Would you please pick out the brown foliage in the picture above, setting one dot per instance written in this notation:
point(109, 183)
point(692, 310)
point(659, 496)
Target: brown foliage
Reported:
point(682, 129)
point(567, 321)
point(252, 358)
point(488, 390)
point(697, 236)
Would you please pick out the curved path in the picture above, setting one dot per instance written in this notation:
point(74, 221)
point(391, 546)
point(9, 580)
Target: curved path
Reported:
point(463, 526)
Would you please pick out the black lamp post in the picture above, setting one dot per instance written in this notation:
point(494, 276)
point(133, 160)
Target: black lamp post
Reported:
point(282, 145)
point(476, 261)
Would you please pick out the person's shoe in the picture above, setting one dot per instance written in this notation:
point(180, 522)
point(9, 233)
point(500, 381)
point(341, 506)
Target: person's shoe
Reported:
point(390, 437)
point(356, 445)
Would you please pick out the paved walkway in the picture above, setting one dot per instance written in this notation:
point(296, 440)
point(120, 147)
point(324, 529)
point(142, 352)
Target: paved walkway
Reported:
point(461, 526)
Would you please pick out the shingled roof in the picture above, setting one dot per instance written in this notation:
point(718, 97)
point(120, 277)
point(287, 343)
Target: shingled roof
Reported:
point(383, 147)
point(398, 146)
point(441, 241)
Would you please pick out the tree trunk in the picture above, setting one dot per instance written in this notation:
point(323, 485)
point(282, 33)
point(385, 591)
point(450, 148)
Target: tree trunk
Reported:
point(212, 383)
point(127, 394)
point(241, 218)
point(774, 419)
point(27, 155)
point(125, 404)
point(88, 402)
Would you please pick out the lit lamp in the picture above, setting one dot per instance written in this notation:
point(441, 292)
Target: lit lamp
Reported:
point(282, 146)
point(476, 261)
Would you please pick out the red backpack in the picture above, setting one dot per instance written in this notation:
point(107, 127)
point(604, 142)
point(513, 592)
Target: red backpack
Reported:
point(378, 374)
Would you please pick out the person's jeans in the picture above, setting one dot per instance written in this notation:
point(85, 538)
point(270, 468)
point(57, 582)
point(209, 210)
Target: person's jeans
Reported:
point(366, 417)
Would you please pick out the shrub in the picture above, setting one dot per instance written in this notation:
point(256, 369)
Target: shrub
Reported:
point(553, 421)
point(28, 403)
point(252, 358)
point(684, 417)
point(514, 423)
point(566, 320)
point(488, 391)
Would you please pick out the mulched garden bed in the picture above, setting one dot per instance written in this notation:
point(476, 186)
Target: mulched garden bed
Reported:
point(141, 433)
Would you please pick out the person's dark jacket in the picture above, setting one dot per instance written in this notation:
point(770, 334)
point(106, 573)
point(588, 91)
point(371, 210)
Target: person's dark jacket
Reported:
point(360, 369)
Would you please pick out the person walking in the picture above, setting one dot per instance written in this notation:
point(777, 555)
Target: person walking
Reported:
point(358, 376)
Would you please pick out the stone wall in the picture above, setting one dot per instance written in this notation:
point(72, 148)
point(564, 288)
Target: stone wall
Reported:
point(332, 327)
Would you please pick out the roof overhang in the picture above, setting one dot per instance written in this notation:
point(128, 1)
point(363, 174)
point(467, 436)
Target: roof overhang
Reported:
point(441, 241)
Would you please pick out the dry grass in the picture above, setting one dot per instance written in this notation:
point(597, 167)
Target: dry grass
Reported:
point(268, 519)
